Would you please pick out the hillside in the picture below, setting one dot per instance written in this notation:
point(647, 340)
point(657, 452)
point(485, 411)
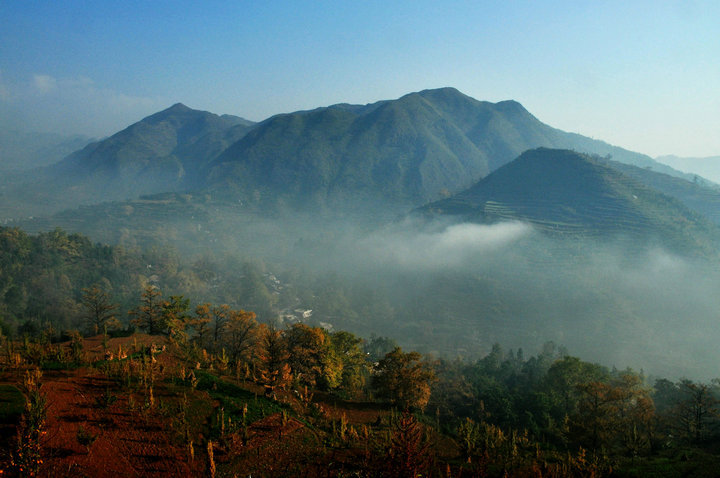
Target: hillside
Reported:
point(162, 152)
point(565, 192)
point(403, 152)
point(302, 401)
point(697, 194)
point(387, 156)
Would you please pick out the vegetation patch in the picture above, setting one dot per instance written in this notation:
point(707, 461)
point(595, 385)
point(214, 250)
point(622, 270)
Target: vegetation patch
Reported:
point(240, 404)
point(12, 404)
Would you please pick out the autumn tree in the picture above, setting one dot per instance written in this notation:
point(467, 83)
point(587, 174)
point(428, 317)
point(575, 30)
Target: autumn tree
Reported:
point(241, 336)
point(311, 357)
point(273, 358)
point(592, 421)
point(410, 452)
point(220, 317)
point(615, 414)
point(403, 379)
point(176, 317)
point(99, 309)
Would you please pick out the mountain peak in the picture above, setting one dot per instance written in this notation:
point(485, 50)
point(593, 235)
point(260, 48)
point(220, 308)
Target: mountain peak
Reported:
point(446, 90)
point(510, 104)
point(178, 107)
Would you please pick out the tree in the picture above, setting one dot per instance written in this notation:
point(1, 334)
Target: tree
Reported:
point(273, 357)
point(566, 374)
point(242, 330)
point(615, 414)
point(99, 309)
point(355, 369)
point(149, 314)
point(220, 317)
point(635, 410)
point(377, 347)
point(403, 379)
point(175, 316)
point(694, 413)
point(410, 452)
point(201, 323)
point(310, 356)
point(593, 421)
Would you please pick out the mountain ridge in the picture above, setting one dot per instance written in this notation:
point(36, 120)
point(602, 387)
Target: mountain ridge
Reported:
point(162, 152)
point(383, 157)
point(417, 148)
point(565, 192)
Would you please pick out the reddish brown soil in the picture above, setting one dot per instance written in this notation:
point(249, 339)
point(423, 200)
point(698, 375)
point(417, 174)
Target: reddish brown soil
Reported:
point(133, 441)
point(128, 443)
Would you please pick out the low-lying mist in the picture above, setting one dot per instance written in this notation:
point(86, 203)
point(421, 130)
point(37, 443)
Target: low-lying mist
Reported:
point(455, 289)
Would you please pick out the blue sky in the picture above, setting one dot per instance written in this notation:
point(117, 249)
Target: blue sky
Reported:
point(644, 75)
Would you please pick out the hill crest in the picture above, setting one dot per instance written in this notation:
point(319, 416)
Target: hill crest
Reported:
point(562, 191)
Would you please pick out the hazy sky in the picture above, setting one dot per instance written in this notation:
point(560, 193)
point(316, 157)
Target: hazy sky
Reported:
point(644, 75)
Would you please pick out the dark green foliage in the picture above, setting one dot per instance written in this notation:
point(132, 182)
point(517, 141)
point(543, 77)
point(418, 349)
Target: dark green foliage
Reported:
point(52, 268)
point(234, 399)
point(64, 281)
point(85, 438)
point(355, 364)
point(12, 404)
point(377, 347)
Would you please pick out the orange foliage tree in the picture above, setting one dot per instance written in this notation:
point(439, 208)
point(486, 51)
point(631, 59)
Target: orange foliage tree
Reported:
point(403, 379)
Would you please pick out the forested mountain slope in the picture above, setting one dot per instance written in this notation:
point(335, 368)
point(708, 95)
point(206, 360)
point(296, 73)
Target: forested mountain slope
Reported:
point(565, 192)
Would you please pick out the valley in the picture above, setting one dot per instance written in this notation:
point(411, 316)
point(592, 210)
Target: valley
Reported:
point(442, 224)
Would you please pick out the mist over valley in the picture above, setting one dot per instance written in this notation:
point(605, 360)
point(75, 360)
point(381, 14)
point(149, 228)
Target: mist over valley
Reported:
point(444, 222)
point(359, 239)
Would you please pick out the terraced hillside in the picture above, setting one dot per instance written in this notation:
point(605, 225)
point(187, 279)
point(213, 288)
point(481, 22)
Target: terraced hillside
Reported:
point(565, 192)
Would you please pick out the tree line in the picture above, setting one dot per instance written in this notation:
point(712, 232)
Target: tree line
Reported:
point(558, 399)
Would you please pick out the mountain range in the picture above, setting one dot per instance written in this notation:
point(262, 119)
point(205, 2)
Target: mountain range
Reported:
point(381, 159)
point(418, 148)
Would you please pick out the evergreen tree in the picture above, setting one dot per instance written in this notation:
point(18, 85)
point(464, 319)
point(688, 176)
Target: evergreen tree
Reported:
point(99, 308)
point(149, 316)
